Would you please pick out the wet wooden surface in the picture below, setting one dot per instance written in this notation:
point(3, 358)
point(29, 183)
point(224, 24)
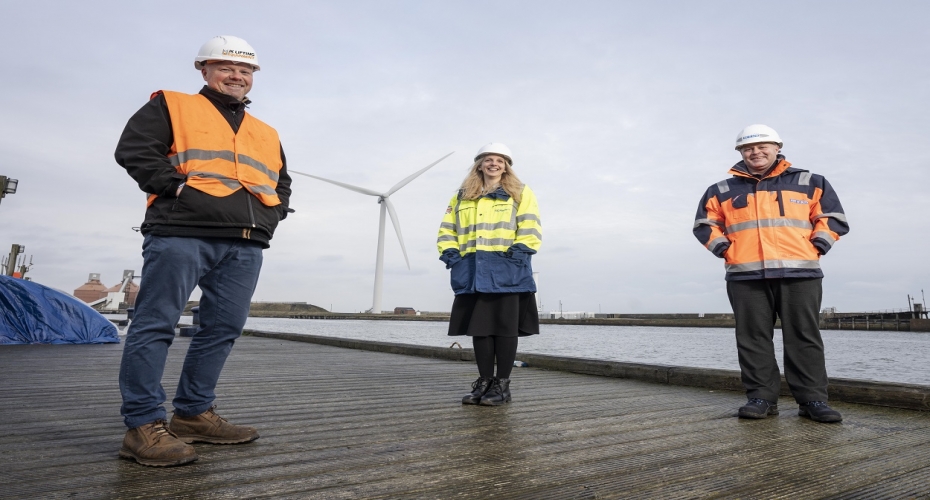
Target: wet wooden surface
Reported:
point(341, 423)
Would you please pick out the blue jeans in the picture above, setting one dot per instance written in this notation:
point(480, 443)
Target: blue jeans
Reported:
point(226, 269)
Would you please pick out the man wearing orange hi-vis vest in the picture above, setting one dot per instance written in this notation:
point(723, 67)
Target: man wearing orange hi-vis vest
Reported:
point(217, 187)
point(771, 222)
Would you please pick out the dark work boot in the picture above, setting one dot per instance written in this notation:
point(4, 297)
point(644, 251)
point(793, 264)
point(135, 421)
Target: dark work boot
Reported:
point(819, 411)
point(498, 394)
point(758, 408)
point(479, 387)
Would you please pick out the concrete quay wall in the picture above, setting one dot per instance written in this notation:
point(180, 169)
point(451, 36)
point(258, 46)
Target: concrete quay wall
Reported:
point(909, 396)
point(852, 322)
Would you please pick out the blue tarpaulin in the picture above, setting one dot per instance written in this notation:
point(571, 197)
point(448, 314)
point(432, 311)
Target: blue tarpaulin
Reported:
point(34, 314)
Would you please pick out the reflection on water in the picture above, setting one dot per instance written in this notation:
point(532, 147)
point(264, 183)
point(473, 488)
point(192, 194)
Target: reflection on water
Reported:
point(869, 355)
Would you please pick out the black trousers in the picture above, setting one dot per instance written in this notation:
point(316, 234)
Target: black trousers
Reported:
point(796, 301)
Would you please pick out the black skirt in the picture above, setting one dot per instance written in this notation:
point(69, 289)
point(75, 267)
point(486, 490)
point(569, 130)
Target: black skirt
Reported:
point(497, 314)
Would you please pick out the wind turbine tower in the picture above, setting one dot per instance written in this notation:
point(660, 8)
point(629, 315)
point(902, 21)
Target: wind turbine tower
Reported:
point(386, 206)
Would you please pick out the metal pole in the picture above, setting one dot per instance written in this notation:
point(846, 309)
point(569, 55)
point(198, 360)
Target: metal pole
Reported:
point(14, 253)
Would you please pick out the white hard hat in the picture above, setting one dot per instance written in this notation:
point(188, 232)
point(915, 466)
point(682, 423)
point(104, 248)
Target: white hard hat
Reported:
point(757, 133)
point(226, 48)
point(495, 148)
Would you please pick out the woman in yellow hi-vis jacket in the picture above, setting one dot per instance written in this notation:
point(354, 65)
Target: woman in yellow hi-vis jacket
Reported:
point(487, 238)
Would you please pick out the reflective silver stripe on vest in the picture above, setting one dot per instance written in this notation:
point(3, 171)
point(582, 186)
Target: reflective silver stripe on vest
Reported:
point(836, 215)
point(804, 179)
point(446, 237)
point(201, 154)
point(825, 236)
point(491, 242)
point(753, 224)
point(257, 165)
point(485, 226)
point(458, 223)
point(230, 183)
point(773, 264)
point(261, 189)
point(707, 222)
point(206, 154)
point(526, 217)
point(739, 268)
point(447, 225)
point(530, 231)
point(723, 187)
point(714, 243)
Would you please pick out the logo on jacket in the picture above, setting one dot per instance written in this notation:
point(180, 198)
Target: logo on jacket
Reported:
point(448, 210)
point(799, 202)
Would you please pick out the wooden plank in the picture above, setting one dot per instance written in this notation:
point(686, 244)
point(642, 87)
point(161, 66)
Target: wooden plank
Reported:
point(344, 423)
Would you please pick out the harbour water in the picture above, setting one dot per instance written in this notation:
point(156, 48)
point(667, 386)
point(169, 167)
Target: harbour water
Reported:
point(866, 355)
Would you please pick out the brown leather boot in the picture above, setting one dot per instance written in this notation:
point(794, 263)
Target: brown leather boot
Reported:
point(208, 427)
point(154, 445)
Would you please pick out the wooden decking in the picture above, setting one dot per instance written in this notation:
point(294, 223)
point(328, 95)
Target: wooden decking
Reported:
point(341, 423)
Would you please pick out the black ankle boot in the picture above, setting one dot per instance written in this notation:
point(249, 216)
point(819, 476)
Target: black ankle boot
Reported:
point(498, 394)
point(479, 387)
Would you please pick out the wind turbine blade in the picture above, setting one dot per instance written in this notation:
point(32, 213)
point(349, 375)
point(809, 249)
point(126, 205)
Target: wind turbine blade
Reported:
point(396, 222)
point(414, 176)
point(341, 184)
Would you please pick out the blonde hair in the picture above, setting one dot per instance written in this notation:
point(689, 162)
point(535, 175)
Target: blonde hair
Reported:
point(473, 186)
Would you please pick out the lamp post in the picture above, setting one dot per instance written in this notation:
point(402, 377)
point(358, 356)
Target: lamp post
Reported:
point(7, 186)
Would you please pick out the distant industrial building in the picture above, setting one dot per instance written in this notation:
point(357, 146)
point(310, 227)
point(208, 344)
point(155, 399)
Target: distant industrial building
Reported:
point(115, 298)
point(405, 310)
point(92, 290)
point(132, 290)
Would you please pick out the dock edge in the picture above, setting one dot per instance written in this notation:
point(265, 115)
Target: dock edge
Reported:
point(908, 396)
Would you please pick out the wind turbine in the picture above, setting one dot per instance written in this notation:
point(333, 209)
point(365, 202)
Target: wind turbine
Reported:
point(386, 206)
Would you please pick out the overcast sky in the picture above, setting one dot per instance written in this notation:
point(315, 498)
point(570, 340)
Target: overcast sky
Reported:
point(619, 115)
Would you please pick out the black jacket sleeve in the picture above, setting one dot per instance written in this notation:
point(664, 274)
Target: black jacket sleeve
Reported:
point(284, 187)
point(143, 149)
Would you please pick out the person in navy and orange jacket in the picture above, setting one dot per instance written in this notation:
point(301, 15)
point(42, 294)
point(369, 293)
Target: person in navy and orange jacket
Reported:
point(771, 222)
point(217, 186)
point(487, 240)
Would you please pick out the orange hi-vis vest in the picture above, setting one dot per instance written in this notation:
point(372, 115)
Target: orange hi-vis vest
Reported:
point(217, 160)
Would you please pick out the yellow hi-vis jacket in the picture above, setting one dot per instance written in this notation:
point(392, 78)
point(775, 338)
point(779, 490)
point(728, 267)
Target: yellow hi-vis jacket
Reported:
point(217, 160)
point(488, 243)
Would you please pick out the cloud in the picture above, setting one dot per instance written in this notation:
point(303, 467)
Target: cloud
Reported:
point(619, 116)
